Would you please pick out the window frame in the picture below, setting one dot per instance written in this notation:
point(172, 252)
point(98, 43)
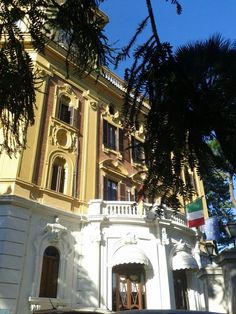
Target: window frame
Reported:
point(58, 175)
point(108, 190)
point(110, 135)
point(137, 151)
point(63, 114)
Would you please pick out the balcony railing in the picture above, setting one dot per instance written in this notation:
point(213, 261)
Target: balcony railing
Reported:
point(131, 209)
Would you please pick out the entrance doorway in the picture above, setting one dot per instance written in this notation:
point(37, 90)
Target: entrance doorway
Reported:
point(181, 289)
point(128, 287)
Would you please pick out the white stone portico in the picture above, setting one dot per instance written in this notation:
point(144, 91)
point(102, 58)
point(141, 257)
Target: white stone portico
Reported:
point(112, 234)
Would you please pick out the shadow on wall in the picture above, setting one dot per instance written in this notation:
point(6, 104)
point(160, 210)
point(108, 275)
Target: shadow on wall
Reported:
point(8, 191)
point(216, 287)
point(87, 292)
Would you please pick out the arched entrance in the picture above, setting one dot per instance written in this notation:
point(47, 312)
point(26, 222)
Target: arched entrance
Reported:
point(128, 285)
point(182, 264)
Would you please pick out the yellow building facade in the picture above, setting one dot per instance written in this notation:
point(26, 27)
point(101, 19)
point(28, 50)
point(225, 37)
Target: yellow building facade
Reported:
point(71, 195)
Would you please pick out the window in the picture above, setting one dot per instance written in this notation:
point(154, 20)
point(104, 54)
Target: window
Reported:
point(64, 111)
point(49, 275)
point(128, 285)
point(58, 175)
point(109, 135)
point(110, 190)
point(115, 139)
point(181, 292)
point(137, 151)
point(67, 112)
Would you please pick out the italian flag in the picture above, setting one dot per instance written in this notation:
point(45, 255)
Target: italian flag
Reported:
point(195, 215)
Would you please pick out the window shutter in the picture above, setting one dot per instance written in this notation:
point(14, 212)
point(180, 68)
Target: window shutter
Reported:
point(122, 192)
point(72, 113)
point(105, 188)
point(105, 132)
point(121, 141)
point(54, 177)
point(75, 122)
point(62, 180)
point(126, 147)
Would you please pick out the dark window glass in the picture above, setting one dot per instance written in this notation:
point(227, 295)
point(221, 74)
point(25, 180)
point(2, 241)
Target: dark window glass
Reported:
point(137, 151)
point(58, 175)
point(110, 190)
point(64, 113)
point(109, 135)
point(49, 274)
point(64, 110)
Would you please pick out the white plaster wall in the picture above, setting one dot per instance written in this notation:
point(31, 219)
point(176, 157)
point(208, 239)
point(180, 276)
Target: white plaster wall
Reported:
point(214, 288)
point(88, 270)
point(157, 284)
point(37, 243)
point(85, 275)
point(14, 224)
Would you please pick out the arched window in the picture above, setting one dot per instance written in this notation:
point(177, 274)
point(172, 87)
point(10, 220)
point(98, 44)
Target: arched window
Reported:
point(128, 287)
point(49, 275)
point(58, 175)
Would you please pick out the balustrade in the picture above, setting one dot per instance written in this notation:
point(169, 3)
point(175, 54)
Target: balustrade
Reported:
point(126, 209)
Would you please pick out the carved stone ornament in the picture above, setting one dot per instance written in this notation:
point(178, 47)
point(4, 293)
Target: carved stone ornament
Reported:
point(130, 238)
point(62, 136)
point(55, 231)
point(105, 110)
point(116, 118)
point(68, 91)
point(140, 132)
point(43, 72)
point(181, 245)
point(164, 237)
point(94, 105)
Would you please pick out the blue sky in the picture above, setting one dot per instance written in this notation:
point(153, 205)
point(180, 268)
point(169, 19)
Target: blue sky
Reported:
point(199, 20)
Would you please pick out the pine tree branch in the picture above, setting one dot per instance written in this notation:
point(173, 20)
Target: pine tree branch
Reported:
point(153, 23)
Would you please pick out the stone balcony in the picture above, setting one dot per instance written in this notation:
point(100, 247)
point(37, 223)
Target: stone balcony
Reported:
point(126, 209)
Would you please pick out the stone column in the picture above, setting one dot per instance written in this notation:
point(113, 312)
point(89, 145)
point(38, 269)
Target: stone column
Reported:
point(95, 207)
point(213, 288)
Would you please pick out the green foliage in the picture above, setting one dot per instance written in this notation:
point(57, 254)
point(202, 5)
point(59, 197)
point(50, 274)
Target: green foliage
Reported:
point(17, 95)
point(217, 194)
point(75, 23)
point(192, 96)
point(216, 188)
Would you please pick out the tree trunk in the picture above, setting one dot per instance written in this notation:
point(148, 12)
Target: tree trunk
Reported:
point(231, 190)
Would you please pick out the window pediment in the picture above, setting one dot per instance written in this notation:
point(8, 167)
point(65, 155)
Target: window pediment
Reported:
point(66, 90)
point(114, 166)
